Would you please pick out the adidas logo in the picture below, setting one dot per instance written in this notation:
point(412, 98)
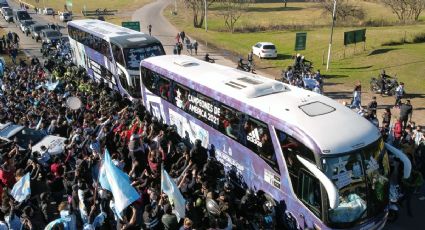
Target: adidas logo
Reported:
point(254, 137)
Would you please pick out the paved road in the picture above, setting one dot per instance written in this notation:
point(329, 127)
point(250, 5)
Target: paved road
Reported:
point(166, 32)
point(28, 45)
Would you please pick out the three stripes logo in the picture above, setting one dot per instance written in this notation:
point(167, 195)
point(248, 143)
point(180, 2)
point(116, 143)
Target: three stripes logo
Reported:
point(254, 137)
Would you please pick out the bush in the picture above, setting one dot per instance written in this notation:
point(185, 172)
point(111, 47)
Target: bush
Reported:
point(419, 38)
point(394, 43)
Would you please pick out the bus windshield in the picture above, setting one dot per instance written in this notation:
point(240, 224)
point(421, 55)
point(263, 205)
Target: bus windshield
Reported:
point(361, 178)
point(133, 56)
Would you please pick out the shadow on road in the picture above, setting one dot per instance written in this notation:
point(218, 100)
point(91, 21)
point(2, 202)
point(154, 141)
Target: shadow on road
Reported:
point(415, 95)
point(329, 76)
point(339, 95)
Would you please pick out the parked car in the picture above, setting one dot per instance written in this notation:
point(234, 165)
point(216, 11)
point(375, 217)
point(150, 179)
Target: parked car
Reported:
point(36, 29)
point(3, 3)
point(25, 25)
point(48, 11)
point(50, 36)
point(65, 16)
point(21, 15)
point(7, 14)
point(265, 50)
point(23, 136)
point(3, 8)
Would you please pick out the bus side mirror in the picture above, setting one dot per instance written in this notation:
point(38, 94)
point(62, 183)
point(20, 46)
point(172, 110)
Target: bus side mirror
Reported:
point(331, 190)
point(407, 165)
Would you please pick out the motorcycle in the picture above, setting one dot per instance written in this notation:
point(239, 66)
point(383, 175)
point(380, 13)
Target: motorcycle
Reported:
point(208, 59)
point(244, 66)
point(390, 86)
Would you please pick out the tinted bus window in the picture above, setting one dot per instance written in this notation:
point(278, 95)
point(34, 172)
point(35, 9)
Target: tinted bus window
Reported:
point(290, 149)
point(181, 97)
point(133, 56)
point(117, 52)
point(150, 81)
point(309, 192)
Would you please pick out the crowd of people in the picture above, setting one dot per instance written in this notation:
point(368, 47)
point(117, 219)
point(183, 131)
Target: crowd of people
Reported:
point(65, 191)
point(184, 41)
point(398, 128)
point(301, 74)
point(9, 45)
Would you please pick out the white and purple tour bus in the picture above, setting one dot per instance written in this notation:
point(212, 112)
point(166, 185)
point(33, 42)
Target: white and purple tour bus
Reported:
point(325, 166)
point(111, 53)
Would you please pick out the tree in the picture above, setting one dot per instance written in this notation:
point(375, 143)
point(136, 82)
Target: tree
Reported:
point(345, 9)
point(198, 10)
point(406, 10)
point(232, 11)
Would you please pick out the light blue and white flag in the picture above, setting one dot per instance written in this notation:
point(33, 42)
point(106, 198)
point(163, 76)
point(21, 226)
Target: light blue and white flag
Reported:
point(170, 188)
point(51, 85)
point(116, 181)
point(21, 190)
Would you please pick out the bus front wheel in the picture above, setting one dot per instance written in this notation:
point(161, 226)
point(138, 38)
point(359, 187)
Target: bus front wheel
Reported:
point(392, 215)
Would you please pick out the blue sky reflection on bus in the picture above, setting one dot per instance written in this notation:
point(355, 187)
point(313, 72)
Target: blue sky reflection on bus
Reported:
point(133, 56)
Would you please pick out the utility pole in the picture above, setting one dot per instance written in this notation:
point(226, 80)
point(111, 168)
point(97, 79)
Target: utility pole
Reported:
point(332, 33)
point(206, 24)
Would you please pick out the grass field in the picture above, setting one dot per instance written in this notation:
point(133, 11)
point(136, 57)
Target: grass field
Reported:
point(124, 7)
point(406, 61)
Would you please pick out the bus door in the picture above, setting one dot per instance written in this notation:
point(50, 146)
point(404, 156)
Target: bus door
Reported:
point(119, 66)
point(305, 207)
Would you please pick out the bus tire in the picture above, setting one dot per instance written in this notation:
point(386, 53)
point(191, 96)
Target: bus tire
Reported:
point(392, 216)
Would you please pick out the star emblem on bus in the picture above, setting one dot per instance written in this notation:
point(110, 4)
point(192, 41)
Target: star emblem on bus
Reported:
point(179, 101)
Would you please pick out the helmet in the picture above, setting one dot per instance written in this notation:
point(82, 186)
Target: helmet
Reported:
point(228, 185)
point(198, 202)
point(213, 207)
point(268, 207)
point(249, 192)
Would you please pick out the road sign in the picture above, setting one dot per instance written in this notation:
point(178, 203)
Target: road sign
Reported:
point(300, 41)
point(132, 25)
point(354, 36)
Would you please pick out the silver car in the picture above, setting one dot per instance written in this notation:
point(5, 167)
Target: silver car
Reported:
point(36, 29)
point(50, 36)
point(25, 25)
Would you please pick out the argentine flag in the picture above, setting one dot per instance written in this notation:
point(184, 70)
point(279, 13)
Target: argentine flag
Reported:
point(170, 188)
point(21, 190)
point(116, 181)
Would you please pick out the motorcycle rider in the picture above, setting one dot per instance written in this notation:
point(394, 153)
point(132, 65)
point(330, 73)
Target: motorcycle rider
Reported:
point(208, 59)
point(383, 81)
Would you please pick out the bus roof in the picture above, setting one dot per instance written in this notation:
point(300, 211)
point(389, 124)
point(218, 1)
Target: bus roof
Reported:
point(334, 127)
point(122, 36)
point(101, 27)
point(134, 40)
